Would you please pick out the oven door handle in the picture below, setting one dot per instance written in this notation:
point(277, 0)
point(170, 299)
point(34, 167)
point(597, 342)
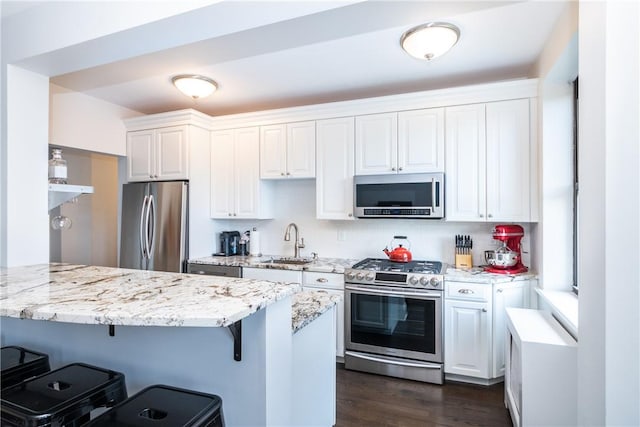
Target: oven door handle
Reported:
point(393, 293)
point(395, 362)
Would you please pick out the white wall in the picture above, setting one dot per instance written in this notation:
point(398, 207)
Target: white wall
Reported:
point(80, 121)
point(24, 203)
point(430, 239)
point(556, 68)
point(609, 322)
point(93, 236)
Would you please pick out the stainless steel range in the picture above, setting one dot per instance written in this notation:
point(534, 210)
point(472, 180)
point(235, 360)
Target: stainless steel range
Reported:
point(393, 319)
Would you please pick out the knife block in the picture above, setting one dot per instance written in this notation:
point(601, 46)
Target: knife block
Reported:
point(464, 261)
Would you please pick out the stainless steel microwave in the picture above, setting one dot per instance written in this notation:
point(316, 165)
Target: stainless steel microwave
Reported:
point(419, 195)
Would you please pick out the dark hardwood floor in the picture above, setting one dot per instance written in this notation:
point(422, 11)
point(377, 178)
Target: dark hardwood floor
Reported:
point(369, 400)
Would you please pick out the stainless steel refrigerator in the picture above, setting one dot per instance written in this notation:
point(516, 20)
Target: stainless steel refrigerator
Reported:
point(154, 226)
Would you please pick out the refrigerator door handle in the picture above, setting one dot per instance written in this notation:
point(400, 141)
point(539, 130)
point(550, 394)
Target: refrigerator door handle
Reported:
point(151, 231)
point(142, 227)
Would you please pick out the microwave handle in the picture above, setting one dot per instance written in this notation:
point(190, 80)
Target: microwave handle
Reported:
point(433, 193)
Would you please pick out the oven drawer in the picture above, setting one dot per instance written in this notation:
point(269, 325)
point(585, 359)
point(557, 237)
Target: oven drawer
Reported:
point(467, 291)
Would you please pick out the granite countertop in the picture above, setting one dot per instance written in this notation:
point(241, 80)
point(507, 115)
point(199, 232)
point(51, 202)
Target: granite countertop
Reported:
point(478, 275)
point(116, 296)
point(308, 305)
point(322, 265)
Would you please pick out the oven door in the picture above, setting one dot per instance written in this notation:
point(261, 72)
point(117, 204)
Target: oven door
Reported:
point(394, 322)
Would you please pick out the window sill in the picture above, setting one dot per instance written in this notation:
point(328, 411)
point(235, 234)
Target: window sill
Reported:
point(564, 307)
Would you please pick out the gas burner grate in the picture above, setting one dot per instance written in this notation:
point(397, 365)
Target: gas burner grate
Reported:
point(376, 264)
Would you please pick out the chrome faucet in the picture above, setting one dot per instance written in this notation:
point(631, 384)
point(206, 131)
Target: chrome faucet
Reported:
point(297, 245)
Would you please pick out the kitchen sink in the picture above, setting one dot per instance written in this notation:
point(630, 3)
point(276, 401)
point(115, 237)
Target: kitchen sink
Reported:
point(294, 261)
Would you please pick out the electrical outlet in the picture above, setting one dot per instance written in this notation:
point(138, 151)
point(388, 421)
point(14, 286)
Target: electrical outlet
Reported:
point(342, 235)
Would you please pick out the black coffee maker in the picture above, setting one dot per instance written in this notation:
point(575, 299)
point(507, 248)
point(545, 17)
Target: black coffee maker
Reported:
point(229, 243)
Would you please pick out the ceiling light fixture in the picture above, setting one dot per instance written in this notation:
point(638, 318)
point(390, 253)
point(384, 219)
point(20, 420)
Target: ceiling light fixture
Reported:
point(428, 41)
point(194, 85)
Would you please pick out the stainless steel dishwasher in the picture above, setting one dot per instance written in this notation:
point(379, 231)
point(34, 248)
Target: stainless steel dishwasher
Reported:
point(214, 270)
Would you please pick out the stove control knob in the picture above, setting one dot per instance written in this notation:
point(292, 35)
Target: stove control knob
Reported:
point(370, 277)
point(434, 282)
point(413, 280)
point(350, 275)
point(360, 276)
point(424, 281)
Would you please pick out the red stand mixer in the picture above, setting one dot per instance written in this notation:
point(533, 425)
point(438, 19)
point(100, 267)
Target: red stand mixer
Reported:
point(506, 259)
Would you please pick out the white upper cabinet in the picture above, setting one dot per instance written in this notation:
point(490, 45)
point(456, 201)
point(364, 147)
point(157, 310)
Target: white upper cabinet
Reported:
point(288, 150)
point(466, 163)
point(158, 154)
point(334, 180)
point(376, 144)
point(421, 141)
point(488, 162)
point(508, 173)
point(236, 189)
point(404, 142)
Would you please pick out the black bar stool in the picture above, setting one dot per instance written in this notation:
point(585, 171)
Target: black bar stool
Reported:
point(19, 364)
point(164, 406)
point(65, 396)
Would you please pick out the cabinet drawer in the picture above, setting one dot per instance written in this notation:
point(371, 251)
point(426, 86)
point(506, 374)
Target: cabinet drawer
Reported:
point(468, 291)
point(324, 280)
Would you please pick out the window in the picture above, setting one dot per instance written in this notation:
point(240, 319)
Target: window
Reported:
point(576, 186)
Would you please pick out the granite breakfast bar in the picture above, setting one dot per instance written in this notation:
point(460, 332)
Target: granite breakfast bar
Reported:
point(172, 329)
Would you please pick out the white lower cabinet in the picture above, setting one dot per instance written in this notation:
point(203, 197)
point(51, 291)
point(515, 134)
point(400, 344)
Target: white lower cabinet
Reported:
point(474, 328)
point(272, 274)
point(333, 283)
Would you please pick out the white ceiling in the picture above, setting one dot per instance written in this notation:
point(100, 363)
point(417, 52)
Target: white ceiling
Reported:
point(345, 52)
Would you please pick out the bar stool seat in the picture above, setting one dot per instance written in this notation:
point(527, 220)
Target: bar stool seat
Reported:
point(65, 396)
point(19, 364)
point(164, 406)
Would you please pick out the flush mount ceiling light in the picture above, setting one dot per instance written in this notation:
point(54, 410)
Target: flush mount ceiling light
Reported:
point(430, 40)
point(194, 86)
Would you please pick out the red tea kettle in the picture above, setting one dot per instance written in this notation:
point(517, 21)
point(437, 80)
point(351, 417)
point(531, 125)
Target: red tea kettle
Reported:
point(398, 254)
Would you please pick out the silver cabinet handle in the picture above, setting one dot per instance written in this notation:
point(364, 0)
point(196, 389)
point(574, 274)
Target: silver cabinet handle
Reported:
point(400, 168)
point(322, 280)
point(499, 290)
point(489, 216)
point(393, 169)
point(230, 214)
point(484, 310)
point(288, 173)
point(350, 215)
point(281, 173)
point(481, 216)
point(465, 291)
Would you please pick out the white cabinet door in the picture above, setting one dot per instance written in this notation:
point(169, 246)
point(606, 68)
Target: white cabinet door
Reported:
point(273, 151)
point(301, 150)
point(288, 151)
point(467, 335)
point(236, 189)
point(247, 173)
point(172, 159)
point(140, 155)
point(466, 162)
point(334, 284)
point(334, 172)
point(512, 295)
point(508, 172)
point(158, 154)
point(376, 144)
point(222, 174)
point(421, 141)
